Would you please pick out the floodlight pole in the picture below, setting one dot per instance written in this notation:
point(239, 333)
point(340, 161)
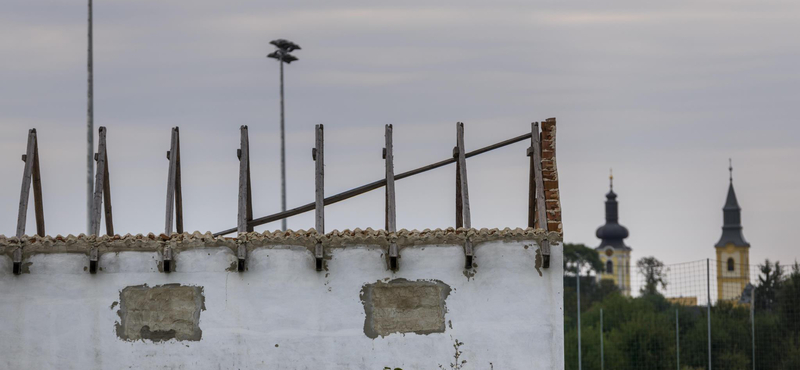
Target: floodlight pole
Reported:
point(283, 153)
point(89, 127)
point(578, 285)
point(282, 55)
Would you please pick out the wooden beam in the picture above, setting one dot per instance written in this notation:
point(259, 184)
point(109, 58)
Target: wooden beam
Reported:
point(462, 162)
point(318, 154)
point(99, 180)
point(172, 155)
point(462, 173)
point(245, 213)
point(37, 188)
point(536, 191)
point(27, 173)
point(459, 204)
point(178, 191)
point(373, 185)
point(391, 211)
point(244, 180)
point(391, 205)
point(107, 196)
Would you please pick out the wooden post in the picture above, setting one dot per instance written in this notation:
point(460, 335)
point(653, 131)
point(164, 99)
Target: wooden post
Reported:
point(174, 197)
point(31, 174)
point(318, 155)
point(536, 205)
point(102, 188)
point(37, 188)
point(245, 195)
point(391, 210)
point(459, 204)
point(462, 173)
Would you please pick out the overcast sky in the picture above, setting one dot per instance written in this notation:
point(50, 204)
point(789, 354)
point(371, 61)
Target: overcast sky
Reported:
point(663, 92)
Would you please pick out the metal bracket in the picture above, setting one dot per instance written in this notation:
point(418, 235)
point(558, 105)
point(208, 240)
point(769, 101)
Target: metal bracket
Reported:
point(393, 257)
point(17, 261)
point(241, 254)
point(319, 256)
point(94, 257)
point(468, 254)
point(167, 256)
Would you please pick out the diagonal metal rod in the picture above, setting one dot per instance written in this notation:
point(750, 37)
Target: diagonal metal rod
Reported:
point(373, 185)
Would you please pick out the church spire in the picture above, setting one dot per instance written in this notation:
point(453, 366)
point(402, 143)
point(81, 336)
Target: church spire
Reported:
point(611, 179)
point(732, 218)
point(730, 168)
point(612, 233)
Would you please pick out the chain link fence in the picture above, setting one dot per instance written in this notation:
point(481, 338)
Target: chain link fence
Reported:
point(704, 314)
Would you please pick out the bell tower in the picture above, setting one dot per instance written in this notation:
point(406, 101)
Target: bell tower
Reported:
point(733, 251)
point(615, 255)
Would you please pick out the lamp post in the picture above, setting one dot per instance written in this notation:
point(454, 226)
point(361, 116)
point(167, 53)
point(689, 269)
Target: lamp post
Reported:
point(282, 55)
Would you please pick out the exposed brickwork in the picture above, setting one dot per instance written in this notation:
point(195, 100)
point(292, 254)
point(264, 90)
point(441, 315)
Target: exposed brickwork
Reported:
point(550, 175)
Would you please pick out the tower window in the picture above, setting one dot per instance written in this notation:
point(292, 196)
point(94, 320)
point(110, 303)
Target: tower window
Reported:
point(609, 267)
point(730, 264)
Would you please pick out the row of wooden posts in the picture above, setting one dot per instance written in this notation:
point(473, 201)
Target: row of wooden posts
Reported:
point(245, 221)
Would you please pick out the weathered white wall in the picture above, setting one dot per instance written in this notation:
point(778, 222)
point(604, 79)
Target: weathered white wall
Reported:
point(282, 314)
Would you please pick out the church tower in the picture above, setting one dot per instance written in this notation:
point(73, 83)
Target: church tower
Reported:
point(616, 256)
point(733, 251)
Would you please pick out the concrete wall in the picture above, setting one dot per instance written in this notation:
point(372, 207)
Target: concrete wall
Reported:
point(280, 313)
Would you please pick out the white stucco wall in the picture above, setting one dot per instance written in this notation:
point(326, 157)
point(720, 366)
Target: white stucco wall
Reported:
point(282, 314)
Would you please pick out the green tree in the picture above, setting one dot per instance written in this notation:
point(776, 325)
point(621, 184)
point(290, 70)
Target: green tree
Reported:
point(579, 257)
point(769, 283)
point(654, 273)
point(789, 301)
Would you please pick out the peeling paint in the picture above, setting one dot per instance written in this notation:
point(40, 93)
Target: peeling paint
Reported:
point(539, 260)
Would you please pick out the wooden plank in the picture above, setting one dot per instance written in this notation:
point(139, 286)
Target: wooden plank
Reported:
point(249, 213)
point(24, 194)
point(319, 181)
point(178, 191)
point(541, 213)
point(243, 180)
point(459, 204)
point(464, 188)
point(373, 185)
point(391, 205)
point(99, 180)
point(172, 156)
point(536, 156)
point(462, 161)
point(391, 210)
point(37, 188)
point(531, 187)
point(107, 197)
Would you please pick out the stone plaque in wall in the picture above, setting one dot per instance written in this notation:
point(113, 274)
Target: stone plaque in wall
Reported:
point(160, 313)
point(402, 306)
